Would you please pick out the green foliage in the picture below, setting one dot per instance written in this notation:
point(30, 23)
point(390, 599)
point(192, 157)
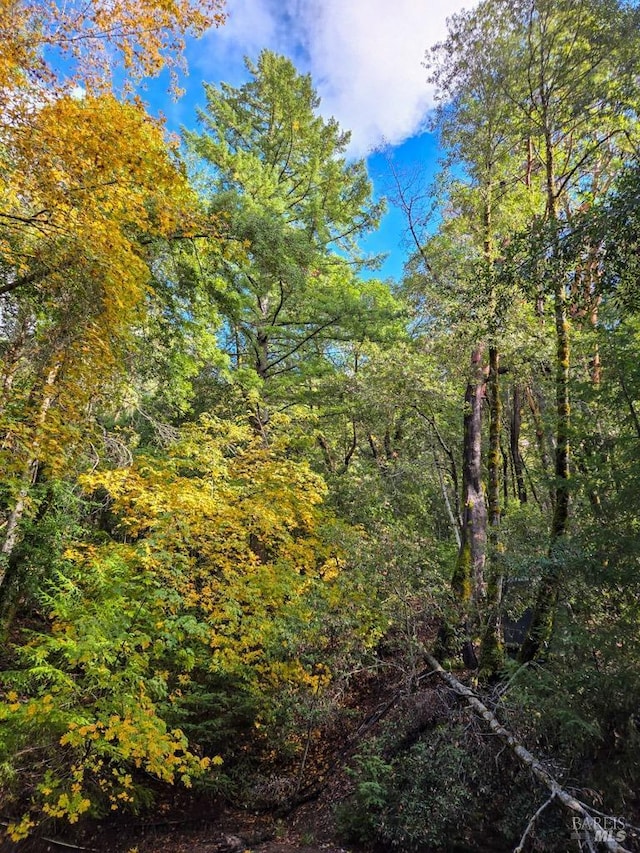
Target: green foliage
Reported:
point(581, 705)
point(358, 816)
point(421, 797)
point(172, 633)
point(88, 694)
point(278, 175)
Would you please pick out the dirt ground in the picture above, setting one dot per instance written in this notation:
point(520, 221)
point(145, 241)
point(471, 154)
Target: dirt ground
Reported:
point(311, 830)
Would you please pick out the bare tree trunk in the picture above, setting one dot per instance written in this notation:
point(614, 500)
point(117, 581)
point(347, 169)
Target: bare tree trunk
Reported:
point(326, 452)
point(453, 521)
point(561, 508)
point(452, 469)
point(544, 611)
point(492, 643)
point(12, 358)
point(541, 438)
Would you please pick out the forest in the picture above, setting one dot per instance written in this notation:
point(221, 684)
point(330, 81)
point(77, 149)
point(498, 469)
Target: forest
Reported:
point(287, 544)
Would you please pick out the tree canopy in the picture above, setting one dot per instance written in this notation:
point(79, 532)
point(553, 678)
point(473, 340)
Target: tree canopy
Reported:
point(279, 532)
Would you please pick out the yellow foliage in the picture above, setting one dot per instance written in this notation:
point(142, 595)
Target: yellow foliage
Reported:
point(81, 197)
point(20, 829)
point(218, 572)
point(87, 182)
point(234, 528)
point(68, 806)
point(148, 34)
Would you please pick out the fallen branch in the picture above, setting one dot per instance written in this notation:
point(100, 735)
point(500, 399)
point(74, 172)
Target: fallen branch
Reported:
point(531, 823)
point(55, 840)
point(64, 843)
point(589, 824)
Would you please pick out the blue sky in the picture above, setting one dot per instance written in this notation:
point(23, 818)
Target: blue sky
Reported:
point(365, 58)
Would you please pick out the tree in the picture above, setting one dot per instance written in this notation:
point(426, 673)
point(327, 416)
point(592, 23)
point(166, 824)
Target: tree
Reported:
point(44, 52)
point(206, 583)
point(567, 68)
point(278, 173)
point(522, 86)
point(52, 47)
point(76, 275)
point(88, 183)
point(476, 127)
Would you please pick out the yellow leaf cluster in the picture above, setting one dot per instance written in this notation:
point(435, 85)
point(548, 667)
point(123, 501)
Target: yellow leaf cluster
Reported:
point(20, 829)
point(235, 529)
point(86, 189)
point(145, 35)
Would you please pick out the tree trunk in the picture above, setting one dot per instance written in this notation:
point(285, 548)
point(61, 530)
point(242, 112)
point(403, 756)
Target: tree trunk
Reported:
point(516, 456)
point(527, 759)
point(468, 580)
point(29, 475)
point(492, 642)
point(561, 507)
point(454, 522)
point(541, 440)
point(544, 611)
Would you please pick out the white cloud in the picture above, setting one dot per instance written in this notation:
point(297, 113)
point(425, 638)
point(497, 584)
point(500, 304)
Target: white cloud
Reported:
point(368, 55)
point(251, 25)
point(365, 56)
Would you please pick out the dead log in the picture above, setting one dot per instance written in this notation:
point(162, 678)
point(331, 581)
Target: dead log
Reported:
point(589, 824)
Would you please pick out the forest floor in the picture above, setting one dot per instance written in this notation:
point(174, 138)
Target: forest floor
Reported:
point(205, 826)
point(189, 824)
point(294, 809)
point(310, 828)
point(309, 832)
point(182, 822)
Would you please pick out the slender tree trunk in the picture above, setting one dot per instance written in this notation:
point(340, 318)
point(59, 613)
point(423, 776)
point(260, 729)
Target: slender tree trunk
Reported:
point(452, 468)
point(561, 508)
point(30, 472)
point(454, 522)
point(326, 452)
point(495, 456)
point(11, 361)
point(492, 644)
point(561, 502)
point(262, 355)
point(544, 611)
point(262, 345)
point(508, 475)
point(468, 579)
point(541, 440)
point(516, 456)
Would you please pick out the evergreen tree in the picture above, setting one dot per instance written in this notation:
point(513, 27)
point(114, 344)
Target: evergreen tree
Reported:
point(278, 172)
